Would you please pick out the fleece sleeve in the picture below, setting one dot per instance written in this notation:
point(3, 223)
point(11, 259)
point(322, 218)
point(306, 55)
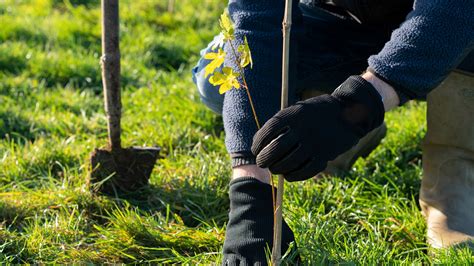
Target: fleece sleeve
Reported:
point(261, 22)
point(432, 41)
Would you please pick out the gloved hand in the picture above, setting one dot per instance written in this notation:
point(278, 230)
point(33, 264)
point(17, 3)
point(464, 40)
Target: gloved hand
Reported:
point(299, 140)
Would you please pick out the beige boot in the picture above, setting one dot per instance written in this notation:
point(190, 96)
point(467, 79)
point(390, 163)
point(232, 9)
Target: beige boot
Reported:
point(366, 145)
point(447, 189)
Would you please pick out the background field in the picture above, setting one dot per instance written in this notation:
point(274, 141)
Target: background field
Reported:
point(51, 118)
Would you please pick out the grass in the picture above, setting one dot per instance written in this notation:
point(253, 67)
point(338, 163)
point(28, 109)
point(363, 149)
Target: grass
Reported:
point(51, 118)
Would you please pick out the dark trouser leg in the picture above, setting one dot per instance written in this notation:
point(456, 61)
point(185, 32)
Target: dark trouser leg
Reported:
point(332, 50)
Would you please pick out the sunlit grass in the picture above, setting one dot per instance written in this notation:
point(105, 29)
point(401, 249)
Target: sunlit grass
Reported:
point(51, 118)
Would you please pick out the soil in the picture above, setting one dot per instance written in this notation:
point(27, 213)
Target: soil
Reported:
point(121, 171)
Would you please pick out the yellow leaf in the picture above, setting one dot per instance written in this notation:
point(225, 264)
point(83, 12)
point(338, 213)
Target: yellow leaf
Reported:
point(224, 88)
point(245, 54)
point(217, 61)
point(217, 79)
point(226, 80)
point(210, 56)
point(236, 84)
point(227, 28)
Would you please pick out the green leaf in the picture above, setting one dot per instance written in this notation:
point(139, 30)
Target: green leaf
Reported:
point(227, 28)
point(217, 60)
point(245, 54)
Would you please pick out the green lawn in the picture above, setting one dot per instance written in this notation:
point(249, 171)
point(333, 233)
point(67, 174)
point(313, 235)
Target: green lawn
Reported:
point(52, 117)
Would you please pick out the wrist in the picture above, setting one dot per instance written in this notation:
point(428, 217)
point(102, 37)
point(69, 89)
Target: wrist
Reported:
point(252, 170)
point(388, 94)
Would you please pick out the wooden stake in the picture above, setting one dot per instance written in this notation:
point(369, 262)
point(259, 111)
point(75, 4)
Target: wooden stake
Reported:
point(276, 252)
point(110, 61)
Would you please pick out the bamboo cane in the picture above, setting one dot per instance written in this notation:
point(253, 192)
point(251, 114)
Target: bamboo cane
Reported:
point(111, 70)
point(276, 252)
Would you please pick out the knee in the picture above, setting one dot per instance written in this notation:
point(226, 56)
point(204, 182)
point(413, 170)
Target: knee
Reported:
point(208, 93)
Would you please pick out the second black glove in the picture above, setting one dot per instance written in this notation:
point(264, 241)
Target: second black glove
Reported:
point(299, 140)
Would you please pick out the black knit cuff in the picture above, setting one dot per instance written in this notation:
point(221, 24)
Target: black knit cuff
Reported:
point(250, 180)
point(242, 158)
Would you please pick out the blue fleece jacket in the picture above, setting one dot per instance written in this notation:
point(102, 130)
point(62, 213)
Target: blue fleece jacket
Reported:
point(432, 41)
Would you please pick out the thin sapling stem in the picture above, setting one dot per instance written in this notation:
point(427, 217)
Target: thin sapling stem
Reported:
point(246, 87)
point(276, 252)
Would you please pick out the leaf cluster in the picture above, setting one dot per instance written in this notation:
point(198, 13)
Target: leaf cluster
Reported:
point(226, 77)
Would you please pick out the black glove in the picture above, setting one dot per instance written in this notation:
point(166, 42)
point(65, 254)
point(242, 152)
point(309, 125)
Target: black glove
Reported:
point(299, 141)
point(250, 228)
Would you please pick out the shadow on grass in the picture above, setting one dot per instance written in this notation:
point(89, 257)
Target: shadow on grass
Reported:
point(19, 128)
point(22, 33)
point(10, 214)
point(87, 3)
point(167, 55)
point(11, 63)
point(10, 246)
point(43, 170)
point(81, 76)
point(53, 164)
point(398, 167)
point(192, 204)
point(85, 39)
